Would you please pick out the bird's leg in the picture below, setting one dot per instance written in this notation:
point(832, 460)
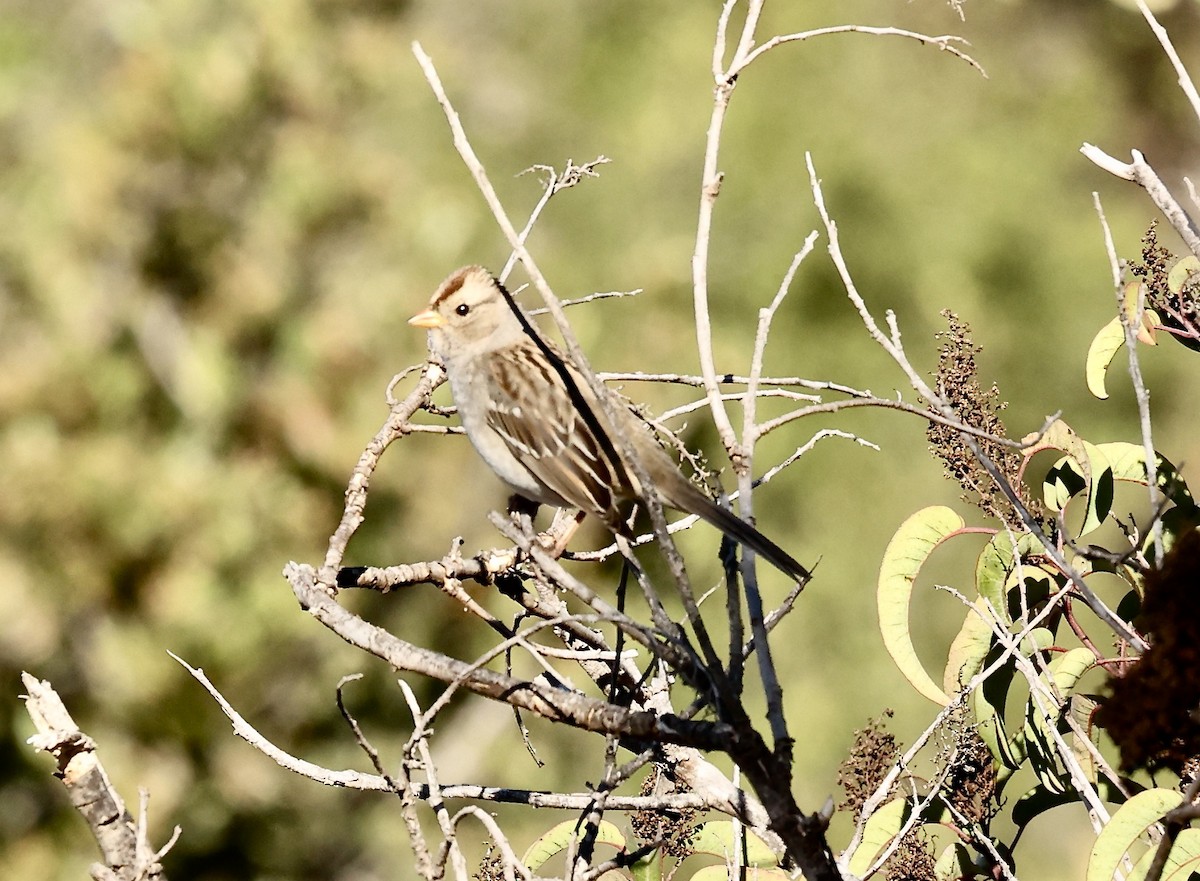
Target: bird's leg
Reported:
point(522, 511)
point(562, 529)
point(518, 505)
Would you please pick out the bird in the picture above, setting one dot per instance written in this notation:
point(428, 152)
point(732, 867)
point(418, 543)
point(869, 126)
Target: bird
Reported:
point(537, 423)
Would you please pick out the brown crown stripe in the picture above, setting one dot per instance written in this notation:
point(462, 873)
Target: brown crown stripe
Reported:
point(451, 285)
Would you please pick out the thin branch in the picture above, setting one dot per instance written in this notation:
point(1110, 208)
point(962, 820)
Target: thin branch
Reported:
point(358, 780)
point(590, 298)
point(732, 379)
point(511, 862)
point(360, 478)
point(944, 42)
point(555, 183)
point(122, 840)
point(1140, 172)
point(744, 468)
point(1129, 323)
point(1185, 79)
point(922, 412)
point(806, 448)
point(710, 188)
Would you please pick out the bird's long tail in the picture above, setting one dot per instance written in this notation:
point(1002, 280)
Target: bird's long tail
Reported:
point(741, 531)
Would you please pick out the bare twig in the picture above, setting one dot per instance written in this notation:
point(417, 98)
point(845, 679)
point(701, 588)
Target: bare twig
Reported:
point(945, 42)
point(1185, 79)
point(555, 182)
point(591, 298)
point(349, 779)
point(1140, 172)
point(567, 707)
point(1129, 324)
point(744, 469)
point(733, 379)
point(360, 478)
point(124, 848)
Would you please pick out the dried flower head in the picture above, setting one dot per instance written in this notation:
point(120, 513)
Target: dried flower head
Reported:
point(958, 383)
point(913, 859)
point(1177, 305)
point(971, 776)
point(871, 757)
point(674, 828)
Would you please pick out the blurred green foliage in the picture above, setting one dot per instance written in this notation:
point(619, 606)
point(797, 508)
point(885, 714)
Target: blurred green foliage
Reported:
point(219, 215)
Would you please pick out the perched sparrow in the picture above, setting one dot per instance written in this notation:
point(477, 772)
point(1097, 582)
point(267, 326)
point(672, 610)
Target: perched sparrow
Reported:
point(520, 409)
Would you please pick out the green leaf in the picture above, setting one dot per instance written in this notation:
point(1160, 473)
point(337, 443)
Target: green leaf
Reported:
point(1066, 669)
point(649, 867)
point(1037, 640)
point(1040, 799)
point(1184, 858)
point(1179, 274)
point(969, 648)
point(721, 873)
point(995, 564)
point(1178, 277)
point(1084, 469)
point(908, 550)
point(881, 828)
point(1128, 463)
point(1125, 827)
point(558, 838)
point(1111, 338)
point(1061, 676)
point(988, 707)
point(955, 862)
point(1175, 522)
point(1100, 354)
point(1081, 710)
point(716, 838)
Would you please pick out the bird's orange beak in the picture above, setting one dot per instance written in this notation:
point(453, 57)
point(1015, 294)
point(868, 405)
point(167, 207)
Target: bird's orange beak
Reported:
point(427, 319)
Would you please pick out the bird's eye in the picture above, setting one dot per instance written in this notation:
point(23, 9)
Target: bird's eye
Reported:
point(462, 309)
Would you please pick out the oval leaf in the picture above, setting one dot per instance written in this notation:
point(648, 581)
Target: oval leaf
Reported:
point(1041, 799)
point(1084, 469)
point(883, 826)
point(1127, 825)
point(716, 838)
point(1100, 354)
point(1128, 463)
point(1184, 858)
point(557, 839)
point(1062, 676)
point(1065, 670)
point(955, 862)
point(1179, 274)
point(992, 571)
point(721, 873)
point(908, 550)
point(988, 705)
point(969, 648)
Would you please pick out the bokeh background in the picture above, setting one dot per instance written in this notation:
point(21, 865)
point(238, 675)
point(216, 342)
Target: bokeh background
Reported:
point(217, 217)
